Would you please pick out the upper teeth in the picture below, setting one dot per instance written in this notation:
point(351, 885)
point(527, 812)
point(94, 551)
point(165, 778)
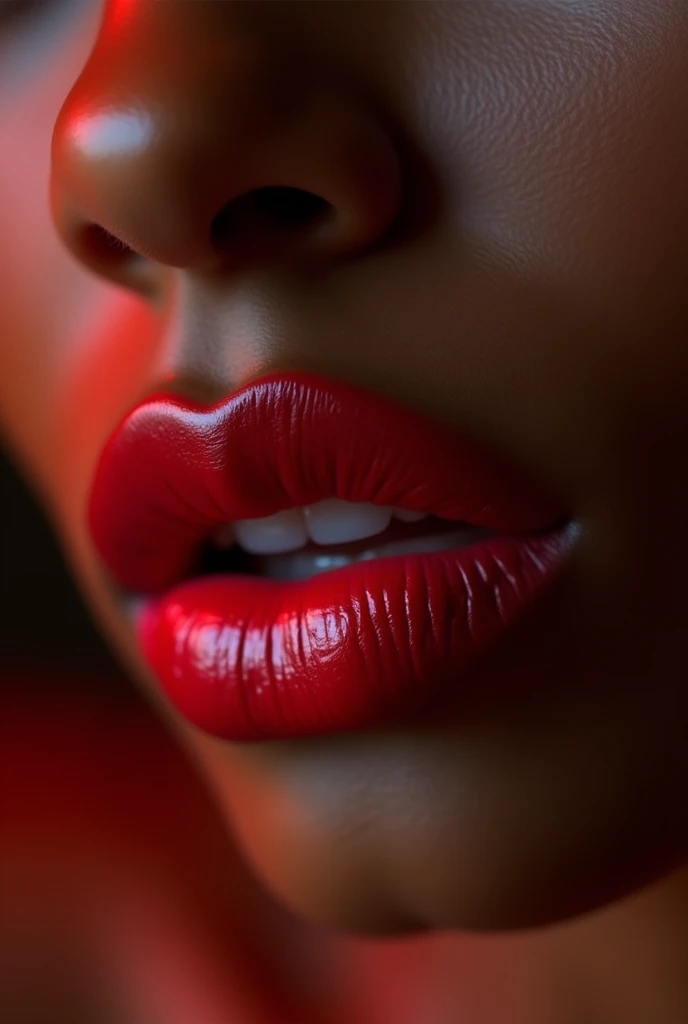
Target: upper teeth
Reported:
point(326, 522)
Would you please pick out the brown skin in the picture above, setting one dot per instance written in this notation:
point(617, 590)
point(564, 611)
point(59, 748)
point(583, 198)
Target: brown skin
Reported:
point(506, 252)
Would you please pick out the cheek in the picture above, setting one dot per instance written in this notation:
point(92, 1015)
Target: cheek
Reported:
point(111, 366)
point(75, 351)
point(563, 146)
point(39, 299)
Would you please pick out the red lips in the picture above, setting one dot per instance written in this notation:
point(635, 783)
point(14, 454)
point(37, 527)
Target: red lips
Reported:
point(251, 658)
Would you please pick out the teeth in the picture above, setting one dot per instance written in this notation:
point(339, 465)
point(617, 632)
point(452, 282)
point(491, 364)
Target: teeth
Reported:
point(407, 516)
point(310, 563)
point(425, 545)
point(337, 522)
point(326, 522)
point(284, 531)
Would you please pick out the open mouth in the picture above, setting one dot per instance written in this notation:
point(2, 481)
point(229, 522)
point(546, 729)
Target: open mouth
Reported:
point(314, 558)
point(299, 543)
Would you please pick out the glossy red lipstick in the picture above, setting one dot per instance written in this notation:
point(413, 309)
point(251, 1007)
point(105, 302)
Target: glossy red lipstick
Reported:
point(248, 658)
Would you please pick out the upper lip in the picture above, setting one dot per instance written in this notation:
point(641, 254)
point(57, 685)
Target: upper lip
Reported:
point(174, 469)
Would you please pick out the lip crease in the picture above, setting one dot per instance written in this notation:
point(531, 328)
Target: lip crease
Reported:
point(250, 658)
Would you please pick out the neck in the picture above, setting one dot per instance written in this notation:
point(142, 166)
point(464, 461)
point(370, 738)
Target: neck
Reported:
point(624, 963)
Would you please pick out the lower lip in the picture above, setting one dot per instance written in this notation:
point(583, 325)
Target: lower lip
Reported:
point(248, 658)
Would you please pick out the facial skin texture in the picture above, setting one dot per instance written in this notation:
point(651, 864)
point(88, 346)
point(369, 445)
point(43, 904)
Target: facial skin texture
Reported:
point(506, 254)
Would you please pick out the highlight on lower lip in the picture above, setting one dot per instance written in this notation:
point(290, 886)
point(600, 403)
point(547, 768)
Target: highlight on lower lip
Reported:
point(248, 658)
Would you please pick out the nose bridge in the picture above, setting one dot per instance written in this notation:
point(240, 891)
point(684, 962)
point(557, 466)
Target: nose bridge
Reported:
point(180, 111)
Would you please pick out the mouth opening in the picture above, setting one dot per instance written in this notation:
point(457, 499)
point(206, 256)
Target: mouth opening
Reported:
point(214, 561)
point(399, 538)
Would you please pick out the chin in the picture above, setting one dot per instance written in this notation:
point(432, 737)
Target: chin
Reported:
point(320, 886)
point(500, 862)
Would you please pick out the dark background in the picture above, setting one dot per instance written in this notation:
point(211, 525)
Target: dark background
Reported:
point(44, 627)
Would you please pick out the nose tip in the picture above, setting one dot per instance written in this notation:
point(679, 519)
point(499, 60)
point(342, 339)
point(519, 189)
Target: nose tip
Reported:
point(219, 172)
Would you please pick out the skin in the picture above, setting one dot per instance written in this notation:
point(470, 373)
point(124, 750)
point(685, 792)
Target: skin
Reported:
point(506, 254)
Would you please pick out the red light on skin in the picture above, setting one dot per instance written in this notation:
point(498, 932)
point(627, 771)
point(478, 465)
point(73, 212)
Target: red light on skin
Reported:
point(111, 844)
point(111, 354)
point(118, 14)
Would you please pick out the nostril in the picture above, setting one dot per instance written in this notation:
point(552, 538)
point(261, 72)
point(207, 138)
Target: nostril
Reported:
point(289, 205)
point(267, 216)
point(112, 258)
point(101, 245)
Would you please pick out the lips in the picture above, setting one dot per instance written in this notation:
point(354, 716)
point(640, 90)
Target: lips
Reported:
point(249, 658)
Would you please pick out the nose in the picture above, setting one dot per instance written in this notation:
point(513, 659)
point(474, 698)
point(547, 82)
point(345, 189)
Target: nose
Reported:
point(194, 141)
